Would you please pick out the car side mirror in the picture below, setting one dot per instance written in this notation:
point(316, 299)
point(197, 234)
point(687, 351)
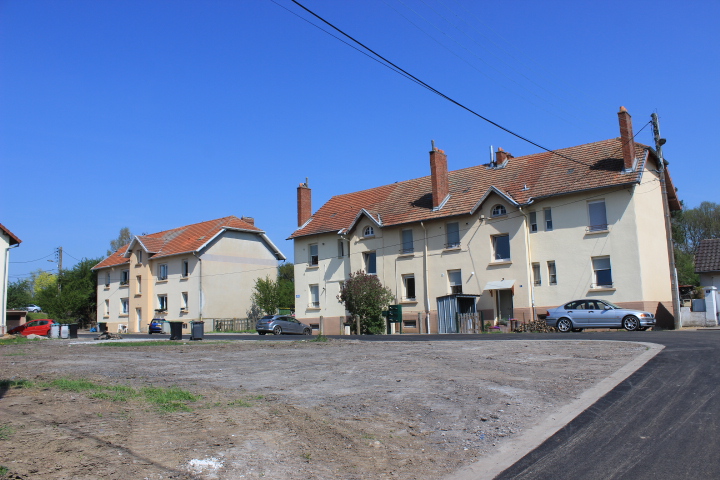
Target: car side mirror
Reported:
point(608, 307)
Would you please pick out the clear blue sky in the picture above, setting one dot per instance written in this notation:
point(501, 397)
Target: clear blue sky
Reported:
point(156, 114)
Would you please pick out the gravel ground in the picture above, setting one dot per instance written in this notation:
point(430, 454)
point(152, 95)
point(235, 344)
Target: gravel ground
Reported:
point(340, 409)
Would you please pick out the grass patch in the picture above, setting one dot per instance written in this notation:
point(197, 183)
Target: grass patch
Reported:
point(70, 385)
point(169, 400)
point(8, 384)
point(18, 340)
point(149, 343)
point(6, 431)
point(240, 403)
point(14, 354)
point(4, 470)
point(320, 338)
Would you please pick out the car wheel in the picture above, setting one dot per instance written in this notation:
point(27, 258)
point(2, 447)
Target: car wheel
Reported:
point(149, 332)
point(564, 325)
point(261, 333)
point(277, 330)
point(631, 323)
point(307, 331)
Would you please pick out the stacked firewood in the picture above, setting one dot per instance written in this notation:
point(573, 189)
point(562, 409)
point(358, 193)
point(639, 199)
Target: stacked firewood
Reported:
point(536, 326)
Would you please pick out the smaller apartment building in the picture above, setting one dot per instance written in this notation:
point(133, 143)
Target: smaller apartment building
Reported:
point(507, 240)
point(201, 271)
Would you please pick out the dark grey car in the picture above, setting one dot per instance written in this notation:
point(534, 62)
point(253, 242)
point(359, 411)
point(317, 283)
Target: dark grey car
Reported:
point(592, 313)
point(279, 324)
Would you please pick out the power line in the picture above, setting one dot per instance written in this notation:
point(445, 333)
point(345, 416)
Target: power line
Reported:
point(31, 261)
point(412, 77)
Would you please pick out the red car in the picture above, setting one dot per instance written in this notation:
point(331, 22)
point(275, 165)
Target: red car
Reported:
point(38, 327)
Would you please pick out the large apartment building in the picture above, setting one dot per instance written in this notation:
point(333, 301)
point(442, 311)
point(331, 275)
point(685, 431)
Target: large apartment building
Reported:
point(195, 272)
point(507, 239)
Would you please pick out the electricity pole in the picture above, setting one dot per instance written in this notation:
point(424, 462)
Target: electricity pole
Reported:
point(659, 142)
point(59, 255)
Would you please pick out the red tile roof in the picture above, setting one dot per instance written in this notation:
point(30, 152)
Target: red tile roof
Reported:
point(523, 179)
point(189, 238)
point(13, 239)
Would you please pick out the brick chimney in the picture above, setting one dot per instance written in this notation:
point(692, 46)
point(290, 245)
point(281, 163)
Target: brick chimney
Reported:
point(304, 203)
point(249, 220)
point(439, 174)
point(501, 156)
point(627, 139)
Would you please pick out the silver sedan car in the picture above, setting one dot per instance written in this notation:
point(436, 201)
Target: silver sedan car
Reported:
point(592, 313)
point(279, 324)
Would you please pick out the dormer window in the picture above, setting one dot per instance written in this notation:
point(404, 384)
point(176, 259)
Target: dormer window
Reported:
point(368, 232)
point(498, 211)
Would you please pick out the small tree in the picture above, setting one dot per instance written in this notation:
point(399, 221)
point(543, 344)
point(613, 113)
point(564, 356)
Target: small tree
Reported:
point(265, 295)
point(123, 238)
point(286, 286)
point(364, 296)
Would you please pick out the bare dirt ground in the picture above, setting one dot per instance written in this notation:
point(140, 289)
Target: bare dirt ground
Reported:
point(286, 410)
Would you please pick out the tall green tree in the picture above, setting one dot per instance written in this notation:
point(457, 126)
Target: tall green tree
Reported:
point(19, 294)
point(76, 299)
point(123, 238)
point(689, 228)
point(286, 286)
point(364, 296)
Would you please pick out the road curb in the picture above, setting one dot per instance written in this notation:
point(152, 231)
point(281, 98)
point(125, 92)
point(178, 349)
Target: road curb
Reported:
point(509, 453)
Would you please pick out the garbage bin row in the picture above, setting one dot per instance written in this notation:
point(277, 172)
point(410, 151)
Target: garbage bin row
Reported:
point(64, 330)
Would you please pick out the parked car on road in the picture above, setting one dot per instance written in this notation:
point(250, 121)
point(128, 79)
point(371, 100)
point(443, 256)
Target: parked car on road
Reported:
point(37, 327)
point(33, 308)
point(592, 313)
point(279, 324)
point(156, 326)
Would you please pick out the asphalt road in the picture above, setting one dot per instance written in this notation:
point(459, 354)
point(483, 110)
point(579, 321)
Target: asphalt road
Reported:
point(662, 422)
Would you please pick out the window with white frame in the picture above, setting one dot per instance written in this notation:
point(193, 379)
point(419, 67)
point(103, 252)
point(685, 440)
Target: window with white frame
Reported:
point(452, 231)
point(314, 258)
point(408, 245)
point(139, 256)
point(602, 272)
point(597, 216)
point(455, 281)
point(124, 306)
point(162, 271)
point(548, 219)
point(138, 286)
point(533, 222)
point(107, 279)
point(498, 210)
point(370, 263)
point(107, 308)
point(501, 248)
point(552, 273)
point(184, 305)
point(536, 274)
point(315, 296)
point(369, 231)
point(185, 269)
point(124, 277)
point(162, 303)
point(408, 287)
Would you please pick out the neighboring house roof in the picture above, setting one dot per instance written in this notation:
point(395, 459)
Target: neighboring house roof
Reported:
point(707, 258)
point(187, 239)
point(521, 181)
point(13, 239)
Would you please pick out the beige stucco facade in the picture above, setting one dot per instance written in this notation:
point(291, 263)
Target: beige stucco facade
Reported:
point(7, 242)
point(214, 282)
point(633, 243)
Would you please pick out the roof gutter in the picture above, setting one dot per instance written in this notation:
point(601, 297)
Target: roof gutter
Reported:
point(530, 280)
point(426, 282)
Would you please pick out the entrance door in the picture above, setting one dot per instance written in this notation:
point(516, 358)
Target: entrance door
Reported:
point(504, 304)
point(138, 320)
